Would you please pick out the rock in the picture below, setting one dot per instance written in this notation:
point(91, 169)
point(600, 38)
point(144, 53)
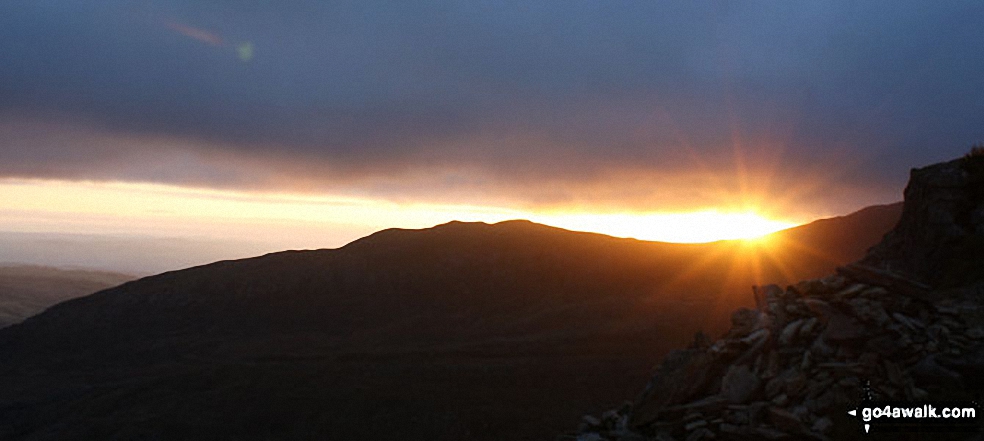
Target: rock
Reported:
point(754, 352)
point(701, 434)
point(833, 282)
point(969, 365)
point(918, 394)
point(976, 333)
point(825, 402)
point(938, 332)
point(796, 309)
point(756, 337)
point(841, 328)
point(773, 387)
point(823, 425)
point(780, 400)
point(739, 384)
point(590, 437)
point(893, 372)
point(845, 352)
point(911, 323)
point(701, 341)
point(807, 361)
point(851, 291)
point(757, 412)
point(737, 415)
point(807, 328)
point(772, 365)
point(694, 425)
point(610, 416)
point(709, 404)
point(822, 349)
point(801, 411)
point(938, 229)
point(869, 311)
point(887, 279)
point(928, 370)
point(818, 386)
point(769, 433)
point(743, 321)
point(809, 287)
point(796, 385)
point(683, 375)
point(766, 295)
point(817, 307)
point(692, 416)
point(850, 382)
point(841, 365)
point(885, 345)
point(875, 292)
point(785, 420)
point(790, 332)
point(732, 429)
point(952, 324)
point(869, 360)
point(591, 421)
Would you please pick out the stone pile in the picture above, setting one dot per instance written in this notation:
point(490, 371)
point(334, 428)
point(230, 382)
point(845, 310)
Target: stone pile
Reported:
point(792, 367)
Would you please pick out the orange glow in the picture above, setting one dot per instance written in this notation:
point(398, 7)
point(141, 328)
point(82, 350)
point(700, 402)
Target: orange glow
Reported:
point(292, 221)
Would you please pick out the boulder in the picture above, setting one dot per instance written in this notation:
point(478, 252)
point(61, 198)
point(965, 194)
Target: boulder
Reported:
point(682, 376)
point(785, 420)
point(740, 384)
point(842, 327)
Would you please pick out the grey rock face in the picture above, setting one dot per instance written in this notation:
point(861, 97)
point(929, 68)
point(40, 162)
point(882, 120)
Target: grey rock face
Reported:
point(941, 226)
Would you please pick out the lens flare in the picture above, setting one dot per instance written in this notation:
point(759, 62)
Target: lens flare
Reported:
point(197, 34)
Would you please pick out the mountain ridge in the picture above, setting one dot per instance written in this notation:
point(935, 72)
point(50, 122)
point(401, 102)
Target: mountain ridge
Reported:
point(421, 323)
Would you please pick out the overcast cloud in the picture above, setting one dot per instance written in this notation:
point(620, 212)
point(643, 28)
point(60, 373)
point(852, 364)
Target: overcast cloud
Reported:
point(545, 102)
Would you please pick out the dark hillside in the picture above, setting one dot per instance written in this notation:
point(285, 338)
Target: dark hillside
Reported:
point(464, 330)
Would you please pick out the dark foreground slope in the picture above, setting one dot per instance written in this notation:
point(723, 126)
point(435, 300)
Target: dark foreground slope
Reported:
point(903, 326)
point(26, 290)
point(461, 331)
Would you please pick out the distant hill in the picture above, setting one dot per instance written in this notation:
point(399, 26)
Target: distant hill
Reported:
point(460, 331)
point(130, 254)
point(26, 290)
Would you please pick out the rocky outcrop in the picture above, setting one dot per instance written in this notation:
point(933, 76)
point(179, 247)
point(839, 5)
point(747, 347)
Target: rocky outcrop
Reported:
point(884, 327)
point(940, 237)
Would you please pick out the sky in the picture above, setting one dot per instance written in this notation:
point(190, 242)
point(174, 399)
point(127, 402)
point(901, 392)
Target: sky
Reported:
point(332, 119)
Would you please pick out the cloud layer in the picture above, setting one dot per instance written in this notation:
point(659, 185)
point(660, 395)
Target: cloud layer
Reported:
point(536, 102)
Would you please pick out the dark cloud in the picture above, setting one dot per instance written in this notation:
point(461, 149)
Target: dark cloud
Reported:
point(485, 94)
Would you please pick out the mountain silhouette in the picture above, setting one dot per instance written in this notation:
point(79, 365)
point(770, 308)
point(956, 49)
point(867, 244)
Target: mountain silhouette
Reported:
point(461, 331)
point(26, 290)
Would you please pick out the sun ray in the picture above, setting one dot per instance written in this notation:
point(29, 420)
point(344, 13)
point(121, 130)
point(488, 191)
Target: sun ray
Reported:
point(695, 266)
point(780, 265)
